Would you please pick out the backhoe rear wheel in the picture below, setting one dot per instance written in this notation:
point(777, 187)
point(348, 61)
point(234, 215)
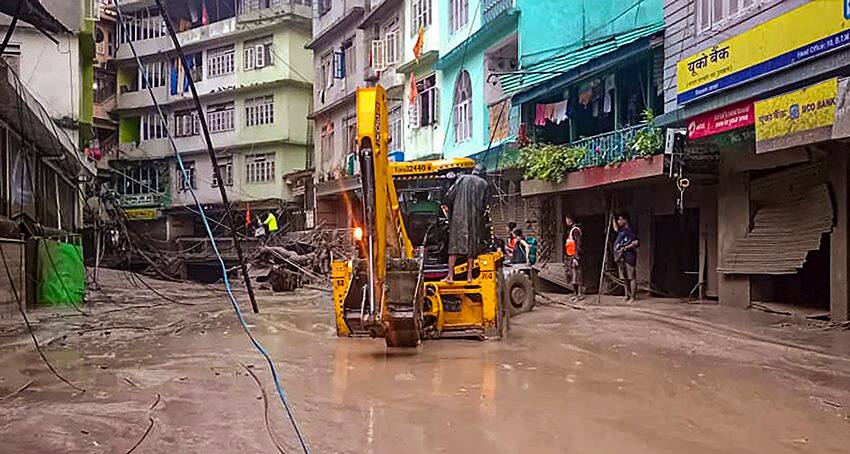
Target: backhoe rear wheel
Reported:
point(520, 292)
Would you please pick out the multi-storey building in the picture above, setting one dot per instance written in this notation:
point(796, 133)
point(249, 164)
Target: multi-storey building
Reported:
point(254, 80)
point(340, 64)
point(760, 87)
point(45, 125)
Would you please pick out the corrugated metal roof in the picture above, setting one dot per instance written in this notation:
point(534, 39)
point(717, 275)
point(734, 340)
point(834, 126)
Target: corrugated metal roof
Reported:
point(561, 64)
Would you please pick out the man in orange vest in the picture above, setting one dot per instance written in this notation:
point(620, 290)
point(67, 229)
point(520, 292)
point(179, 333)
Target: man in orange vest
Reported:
point(573, 255)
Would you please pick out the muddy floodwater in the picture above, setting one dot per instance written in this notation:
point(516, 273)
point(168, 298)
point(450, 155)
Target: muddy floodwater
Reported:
point(650, 378)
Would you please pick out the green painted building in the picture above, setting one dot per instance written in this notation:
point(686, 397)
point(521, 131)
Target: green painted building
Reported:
point(254, 80)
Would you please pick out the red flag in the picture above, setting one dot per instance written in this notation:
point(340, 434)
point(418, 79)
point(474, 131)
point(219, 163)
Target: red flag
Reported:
point(248, 217)
point(414, 93)
point(420, 41)
point(205, 18)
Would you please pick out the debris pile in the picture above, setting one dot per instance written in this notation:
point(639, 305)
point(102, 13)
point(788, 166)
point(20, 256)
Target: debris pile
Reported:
point(302, 257)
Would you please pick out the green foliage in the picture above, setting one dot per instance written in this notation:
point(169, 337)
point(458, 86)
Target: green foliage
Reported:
point(650, 140)
point(547, 162)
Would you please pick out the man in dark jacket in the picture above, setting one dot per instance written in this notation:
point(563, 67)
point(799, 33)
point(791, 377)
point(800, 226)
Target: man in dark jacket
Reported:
point(466, 201)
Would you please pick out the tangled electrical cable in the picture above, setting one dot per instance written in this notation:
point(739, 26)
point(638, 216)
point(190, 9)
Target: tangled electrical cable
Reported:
point(207, 229)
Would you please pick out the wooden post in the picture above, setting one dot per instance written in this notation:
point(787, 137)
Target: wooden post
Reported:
point(604, 258)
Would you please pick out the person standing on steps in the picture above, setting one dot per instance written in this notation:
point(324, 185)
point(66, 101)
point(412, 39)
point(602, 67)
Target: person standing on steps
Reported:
point(625, 254)
point(466, 206)
point(573, 257)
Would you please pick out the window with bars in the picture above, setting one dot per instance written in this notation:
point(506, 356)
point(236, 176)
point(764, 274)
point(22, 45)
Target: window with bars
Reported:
point(420, 15)
point(324, 6)
point(153, 127)
point(220, 117)
point(462, 120)
point(154, 73)
point(225, 168)
point(327, 77)
point(424, 111)
point(220, 61)
point(386, 47)
point(145, 24)
point(104, 86)
point(458, 14)
point(259, 111)
point(259, 168)
point(348, 56)
point(258, 53)
point(187, 179)
point(139, 179)
point(714, 13)
point(186, 123)
point(396, 134)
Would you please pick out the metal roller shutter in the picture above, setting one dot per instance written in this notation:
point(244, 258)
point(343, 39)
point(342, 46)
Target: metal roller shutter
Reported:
point(793, 208)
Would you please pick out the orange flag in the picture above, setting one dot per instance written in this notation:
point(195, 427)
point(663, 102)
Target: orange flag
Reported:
point(420, 41)
point(248, 217)
point(414, 93)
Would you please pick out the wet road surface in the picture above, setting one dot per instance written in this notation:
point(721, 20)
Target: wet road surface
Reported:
point(603, 379)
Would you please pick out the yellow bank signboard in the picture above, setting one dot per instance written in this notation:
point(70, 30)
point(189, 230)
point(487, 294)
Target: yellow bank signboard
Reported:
point(141, 214)
point(809, 31)
point(796, 118)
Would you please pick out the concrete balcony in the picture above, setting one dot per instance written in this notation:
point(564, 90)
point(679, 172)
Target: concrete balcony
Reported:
point(207, 34)
point(206, 88)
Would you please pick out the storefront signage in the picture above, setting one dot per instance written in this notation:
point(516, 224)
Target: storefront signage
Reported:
point(141, 214)
point(721, 120)
point(796, 118)
point(812, 30)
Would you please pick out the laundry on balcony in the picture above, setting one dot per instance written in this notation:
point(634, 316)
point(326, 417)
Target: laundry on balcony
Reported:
point(555, 113)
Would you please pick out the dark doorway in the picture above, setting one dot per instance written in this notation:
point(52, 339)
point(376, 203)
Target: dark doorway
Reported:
point(675, 255)
point(807, 288)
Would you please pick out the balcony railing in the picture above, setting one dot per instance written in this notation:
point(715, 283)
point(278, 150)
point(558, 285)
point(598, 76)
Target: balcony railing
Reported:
point(609, 147)
point(494, 8)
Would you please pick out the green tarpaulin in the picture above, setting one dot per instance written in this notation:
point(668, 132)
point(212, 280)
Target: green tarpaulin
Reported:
point(61, 273)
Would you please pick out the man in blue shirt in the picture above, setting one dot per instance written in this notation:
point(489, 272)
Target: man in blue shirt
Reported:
point(625, 254)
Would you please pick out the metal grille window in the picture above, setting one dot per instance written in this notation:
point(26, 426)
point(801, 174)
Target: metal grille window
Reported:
point(104, 86)
point(259, 111)
point(220, 117)
point(258, 53)
point(154, 73)
point(146, 24)
point(421, 15)
point(187, 177)
point(137, 180)
point(225, 167)
point(459, 14)
point(259, 168)
point(186, 123)
point(711, 13)
point(386, 47)
point(463, 108)
point(220, 61)
point(153, 127)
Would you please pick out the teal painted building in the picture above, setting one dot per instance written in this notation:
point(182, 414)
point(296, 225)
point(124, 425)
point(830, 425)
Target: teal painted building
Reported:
point(499, 57)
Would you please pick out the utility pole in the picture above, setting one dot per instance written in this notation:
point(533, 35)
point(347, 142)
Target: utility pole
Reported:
point(211, 151)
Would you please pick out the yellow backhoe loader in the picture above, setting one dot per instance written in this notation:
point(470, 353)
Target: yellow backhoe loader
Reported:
point(393, 288)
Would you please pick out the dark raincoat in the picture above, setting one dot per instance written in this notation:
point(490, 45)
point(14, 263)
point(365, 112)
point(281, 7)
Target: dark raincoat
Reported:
point(467, 202)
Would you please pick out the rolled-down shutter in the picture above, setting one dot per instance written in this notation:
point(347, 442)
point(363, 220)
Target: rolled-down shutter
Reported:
point(793, 209)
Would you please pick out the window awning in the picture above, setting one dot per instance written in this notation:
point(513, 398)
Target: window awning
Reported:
point(562, 65)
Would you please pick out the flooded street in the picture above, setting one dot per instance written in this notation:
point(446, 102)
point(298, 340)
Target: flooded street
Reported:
point(651, 378)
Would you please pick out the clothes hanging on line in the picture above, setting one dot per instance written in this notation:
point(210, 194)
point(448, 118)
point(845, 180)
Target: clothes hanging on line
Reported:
point(555, 113)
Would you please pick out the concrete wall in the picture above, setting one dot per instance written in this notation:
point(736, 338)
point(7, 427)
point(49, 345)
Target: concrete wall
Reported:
point(51, 73)
point(551, 27)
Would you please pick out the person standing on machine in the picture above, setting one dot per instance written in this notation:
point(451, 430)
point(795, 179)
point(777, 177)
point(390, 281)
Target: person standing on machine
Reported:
point(466, 206)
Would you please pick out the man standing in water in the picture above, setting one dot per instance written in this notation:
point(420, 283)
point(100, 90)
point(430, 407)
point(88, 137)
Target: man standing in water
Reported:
point(466, 203)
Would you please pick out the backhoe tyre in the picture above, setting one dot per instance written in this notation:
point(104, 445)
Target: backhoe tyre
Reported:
point(520, 293)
